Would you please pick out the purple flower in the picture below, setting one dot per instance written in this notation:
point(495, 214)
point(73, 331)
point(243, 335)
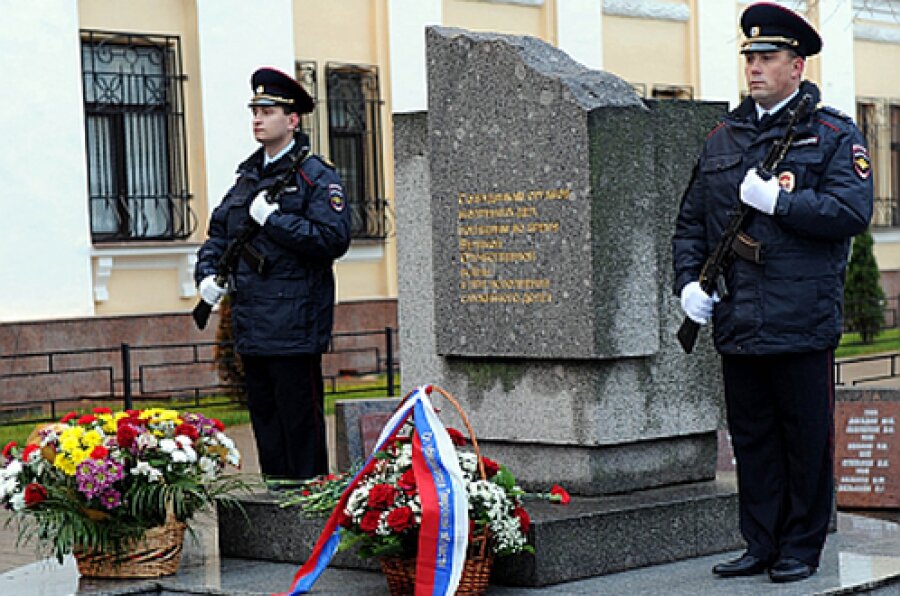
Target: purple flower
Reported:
point(111, 498)
point(93, 476)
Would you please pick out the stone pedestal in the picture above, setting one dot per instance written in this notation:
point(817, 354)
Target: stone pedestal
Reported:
point(588, 537)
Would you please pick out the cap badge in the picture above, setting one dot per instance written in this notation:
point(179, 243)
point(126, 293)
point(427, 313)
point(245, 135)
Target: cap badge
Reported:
point(260, 89)
point(754, 31)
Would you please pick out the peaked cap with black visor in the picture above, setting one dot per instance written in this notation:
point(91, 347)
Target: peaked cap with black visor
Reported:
point(271, 87)
point(769, 27)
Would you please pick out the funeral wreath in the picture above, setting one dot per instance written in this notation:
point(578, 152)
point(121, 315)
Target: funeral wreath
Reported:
point(98, 482)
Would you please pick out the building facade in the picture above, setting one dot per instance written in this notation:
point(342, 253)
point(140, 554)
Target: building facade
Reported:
point(124, 120)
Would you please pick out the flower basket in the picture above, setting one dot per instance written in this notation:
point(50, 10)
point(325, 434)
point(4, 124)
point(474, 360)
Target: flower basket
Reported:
point(400, 572)
point(117, 488)
point(419, 474)
point(157, 554)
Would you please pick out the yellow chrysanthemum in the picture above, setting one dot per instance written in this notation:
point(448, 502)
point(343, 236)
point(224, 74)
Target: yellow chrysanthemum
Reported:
point(109, 424)
point(65, 464)
point(79, 455)
point(92, 438)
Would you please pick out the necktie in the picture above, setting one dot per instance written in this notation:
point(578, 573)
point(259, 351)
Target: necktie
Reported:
point(765, 121)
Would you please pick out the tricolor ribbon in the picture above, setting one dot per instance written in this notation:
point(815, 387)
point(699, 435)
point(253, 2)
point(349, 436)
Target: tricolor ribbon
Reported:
point(444, 531)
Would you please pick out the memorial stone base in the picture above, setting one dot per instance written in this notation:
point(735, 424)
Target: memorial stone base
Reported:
point(590, 536)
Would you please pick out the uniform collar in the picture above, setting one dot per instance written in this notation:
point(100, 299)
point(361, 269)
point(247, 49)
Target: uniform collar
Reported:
point(270, 160)
point(760, 111)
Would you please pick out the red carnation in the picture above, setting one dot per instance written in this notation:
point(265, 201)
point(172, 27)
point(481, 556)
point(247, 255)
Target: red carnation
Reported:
point(99, 452)
point(188, 430)
point(126, 435)
point(382, 496)
point(68, 417)
point(7, 451)
point(29, 449)
point(370, 521)
point(407, 482)
point(559, 495)
point(87, 419)
point(134, 413)
point(218, 424)
point(457, 437)
point(102, 411)
point(34, 494)
point(490, 467)
point(523, 517)
point(400, 519)
point(344, 520)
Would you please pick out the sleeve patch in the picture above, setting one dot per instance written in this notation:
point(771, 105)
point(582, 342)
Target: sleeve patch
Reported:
point(861, 163)
point(336, 197)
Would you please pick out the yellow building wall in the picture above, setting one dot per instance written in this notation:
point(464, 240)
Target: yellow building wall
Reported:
point(502, 18)
point(142, 292)
point(877, 69)
point(158, 290)
point(647, 51)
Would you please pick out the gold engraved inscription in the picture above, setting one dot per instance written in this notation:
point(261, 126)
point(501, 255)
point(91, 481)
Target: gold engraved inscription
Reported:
point(496, 245)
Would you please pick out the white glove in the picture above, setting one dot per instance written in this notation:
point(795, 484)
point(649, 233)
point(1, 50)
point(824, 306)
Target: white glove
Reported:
point(261, 209)
point(758, 193)
point(696, 304)
point(210, 291)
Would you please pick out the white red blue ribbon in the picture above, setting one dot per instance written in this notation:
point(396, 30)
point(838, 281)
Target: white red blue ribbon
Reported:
point(444, 531)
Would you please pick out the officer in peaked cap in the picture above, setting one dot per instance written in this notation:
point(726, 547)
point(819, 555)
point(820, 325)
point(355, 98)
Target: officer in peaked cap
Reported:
point(281, 289)
point(778, 324)
point(272, 87)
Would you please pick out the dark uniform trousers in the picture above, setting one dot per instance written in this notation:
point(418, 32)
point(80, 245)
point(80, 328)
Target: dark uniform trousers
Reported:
point(285, 398)
point(780, 411)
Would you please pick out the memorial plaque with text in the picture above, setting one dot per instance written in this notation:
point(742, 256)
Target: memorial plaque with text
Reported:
point(542, 203)
point(867, 455)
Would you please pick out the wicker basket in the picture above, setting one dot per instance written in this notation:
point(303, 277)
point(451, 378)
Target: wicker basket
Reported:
point(157, 554)
point(401, 573)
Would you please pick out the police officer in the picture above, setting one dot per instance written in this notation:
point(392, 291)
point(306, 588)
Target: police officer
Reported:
point(777, 328)
point(283, 298)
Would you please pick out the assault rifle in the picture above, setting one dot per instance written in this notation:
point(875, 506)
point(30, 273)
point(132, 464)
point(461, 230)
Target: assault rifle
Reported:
point(240, 245)
point(712, 275)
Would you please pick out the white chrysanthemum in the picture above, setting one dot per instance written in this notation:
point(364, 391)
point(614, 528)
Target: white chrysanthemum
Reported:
point(183, 441)
point(234, 456)
point(168, 446)
point(224, 440)
point(144, 469)
point(146, 441)
point(209, 467)
point(179, 456)
point(17, 501)
point(356, 504)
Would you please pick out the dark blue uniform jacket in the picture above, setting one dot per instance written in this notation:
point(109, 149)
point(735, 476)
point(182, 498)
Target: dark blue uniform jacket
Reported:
point(289, 310)
point(792, 301)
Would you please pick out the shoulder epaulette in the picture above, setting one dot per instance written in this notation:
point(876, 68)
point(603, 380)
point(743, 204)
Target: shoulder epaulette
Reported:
point(835, 112)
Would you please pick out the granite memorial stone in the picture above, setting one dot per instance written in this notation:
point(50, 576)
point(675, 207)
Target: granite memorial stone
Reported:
point(540, 197)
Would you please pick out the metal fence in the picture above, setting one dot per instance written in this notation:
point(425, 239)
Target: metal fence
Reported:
point(39, 385)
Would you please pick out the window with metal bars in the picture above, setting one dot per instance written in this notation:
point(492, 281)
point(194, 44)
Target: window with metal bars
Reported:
point(135, 134)
point(354, 140)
